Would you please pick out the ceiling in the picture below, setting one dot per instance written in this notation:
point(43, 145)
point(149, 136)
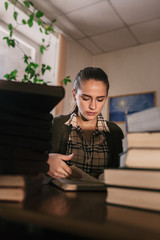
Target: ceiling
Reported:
point(102, 26)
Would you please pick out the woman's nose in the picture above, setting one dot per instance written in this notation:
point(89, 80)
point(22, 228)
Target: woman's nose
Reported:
point(92, 105)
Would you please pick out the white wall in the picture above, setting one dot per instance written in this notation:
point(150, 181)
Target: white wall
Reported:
point(132, 70)
point(77, 59)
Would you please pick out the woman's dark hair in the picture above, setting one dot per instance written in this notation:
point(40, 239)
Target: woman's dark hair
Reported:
point(90, 73)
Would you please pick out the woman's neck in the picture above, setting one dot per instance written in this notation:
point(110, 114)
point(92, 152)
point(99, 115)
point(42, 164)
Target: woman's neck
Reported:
point(86, 124)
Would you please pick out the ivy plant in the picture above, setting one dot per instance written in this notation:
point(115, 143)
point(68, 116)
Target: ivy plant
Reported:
point(33, 70)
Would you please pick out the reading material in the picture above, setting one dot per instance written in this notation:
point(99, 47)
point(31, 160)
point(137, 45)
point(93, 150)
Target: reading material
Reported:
point(147, 120)
point(19, 187)
point(133, 178)
point(143, 158)
point(144, 199)
point(79, 181)
point(141, 140)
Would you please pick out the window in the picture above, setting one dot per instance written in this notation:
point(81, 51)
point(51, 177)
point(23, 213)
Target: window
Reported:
point(29, 41)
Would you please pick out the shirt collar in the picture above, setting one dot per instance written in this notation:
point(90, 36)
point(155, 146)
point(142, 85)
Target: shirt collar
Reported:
point(72, 120)
point(101, 123)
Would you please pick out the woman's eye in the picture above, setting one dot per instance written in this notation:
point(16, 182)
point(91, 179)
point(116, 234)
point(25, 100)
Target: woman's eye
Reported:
point(100, 100)
point(85, 98)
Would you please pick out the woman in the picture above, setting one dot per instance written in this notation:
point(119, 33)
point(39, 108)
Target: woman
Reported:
point(84, 138)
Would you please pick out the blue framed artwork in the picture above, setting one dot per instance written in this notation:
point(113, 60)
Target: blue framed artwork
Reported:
point(126, 104)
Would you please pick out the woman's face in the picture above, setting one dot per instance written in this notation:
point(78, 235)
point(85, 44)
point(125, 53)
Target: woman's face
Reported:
point(90, 98)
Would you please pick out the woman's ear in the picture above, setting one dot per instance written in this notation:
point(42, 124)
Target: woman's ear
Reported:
point(74, 95)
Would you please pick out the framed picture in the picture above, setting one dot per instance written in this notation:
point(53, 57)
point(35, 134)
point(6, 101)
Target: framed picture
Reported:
point(119, 106)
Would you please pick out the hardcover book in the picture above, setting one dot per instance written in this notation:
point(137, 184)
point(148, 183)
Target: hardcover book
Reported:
point(136, 198)
point(141, 140)
point(132, 178)
point(147, 120)
point(79, 181)
point(18, 188)
point(143, 158)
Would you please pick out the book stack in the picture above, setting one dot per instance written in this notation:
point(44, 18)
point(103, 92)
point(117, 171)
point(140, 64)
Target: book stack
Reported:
point(25, 127)
point(24, 141)
point(136, 182)
point(19, 187)
point(141, 145)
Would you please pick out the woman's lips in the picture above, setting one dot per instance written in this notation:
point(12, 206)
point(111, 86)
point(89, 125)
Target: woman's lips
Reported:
point(91, 113)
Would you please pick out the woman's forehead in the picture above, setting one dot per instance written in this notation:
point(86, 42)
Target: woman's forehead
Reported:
point(92, 84)
point(93, 87)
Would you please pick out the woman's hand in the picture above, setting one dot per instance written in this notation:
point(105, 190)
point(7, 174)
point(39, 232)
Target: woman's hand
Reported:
point(57, 167)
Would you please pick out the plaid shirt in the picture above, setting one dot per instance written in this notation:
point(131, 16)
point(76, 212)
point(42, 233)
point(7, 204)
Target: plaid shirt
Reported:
point(89, 155)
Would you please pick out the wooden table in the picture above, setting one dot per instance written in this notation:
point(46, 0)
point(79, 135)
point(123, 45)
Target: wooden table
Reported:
point(78, 215)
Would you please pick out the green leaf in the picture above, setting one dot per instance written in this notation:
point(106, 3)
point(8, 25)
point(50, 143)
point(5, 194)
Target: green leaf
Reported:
point(11, 33)
point(51, 29)
point(39, 14)
point(25, 78)
point(26, 58)
point(6, 76)
point(44, 68)
point(31, 3)
point(7, 40)
point(6, 5)
point(54, 20)
point(15, 14)
point(30, 21)
point(66, 80)
point(10, 27)
point(24, 21)
point(48, 68)
point(10, 42)
point(48, 29)
point(46, 32)
point(26, 3)
point(40, 29)
point(31, 17)
point(12, 75)
point(42, 48)
point(35, 65)
point(39, 22)
point(30, 70)
point(35, 80)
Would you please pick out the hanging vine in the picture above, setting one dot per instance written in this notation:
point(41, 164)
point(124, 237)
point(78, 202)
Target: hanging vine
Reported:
point(33, 70)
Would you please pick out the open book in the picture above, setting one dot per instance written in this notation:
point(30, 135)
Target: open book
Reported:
point(79, 181)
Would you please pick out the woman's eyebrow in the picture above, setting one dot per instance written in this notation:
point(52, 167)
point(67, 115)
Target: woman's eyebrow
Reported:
point(101, 96)
point(86, 95)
